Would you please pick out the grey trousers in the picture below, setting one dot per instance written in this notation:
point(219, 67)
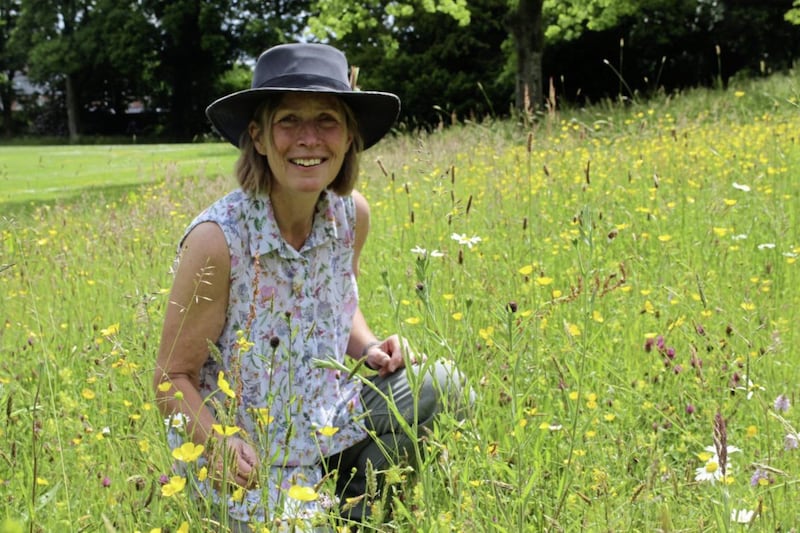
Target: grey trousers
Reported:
point(418, 394)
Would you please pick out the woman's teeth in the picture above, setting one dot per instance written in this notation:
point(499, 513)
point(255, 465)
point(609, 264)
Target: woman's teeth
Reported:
point(307, 162)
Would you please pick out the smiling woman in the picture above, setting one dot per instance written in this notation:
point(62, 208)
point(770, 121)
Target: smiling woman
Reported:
point(268, 275)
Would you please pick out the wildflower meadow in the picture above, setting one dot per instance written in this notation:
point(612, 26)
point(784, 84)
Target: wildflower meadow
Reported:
point(619, 284)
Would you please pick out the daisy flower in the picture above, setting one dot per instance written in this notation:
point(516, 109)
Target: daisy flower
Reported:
point(463, 239)
point(709, 472)
point(742, 516)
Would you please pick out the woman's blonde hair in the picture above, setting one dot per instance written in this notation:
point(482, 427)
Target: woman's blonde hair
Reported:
point(252, 169)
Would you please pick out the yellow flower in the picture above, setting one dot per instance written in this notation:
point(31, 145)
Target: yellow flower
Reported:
point(238, 494)
point(457, 316)
point(328, 431)
point(188, 452)
point(164, 386)
point(413, 320)
point(173, 487)
point(202, 475)
point(113, 329)
point(242, 343)
point(42, 481)
point(665, 238)
point(184, 527)
point(304, 494)
point(573, 330)
point(527, 270)
point(224, 386)
point(263, 416)
point(226, 431)
point(544, 280)
point(88, 394)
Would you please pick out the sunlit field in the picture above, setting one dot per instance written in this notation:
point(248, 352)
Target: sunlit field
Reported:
point(620, 285)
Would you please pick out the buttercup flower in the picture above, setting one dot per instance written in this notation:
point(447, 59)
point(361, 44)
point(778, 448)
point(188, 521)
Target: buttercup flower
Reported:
point(174, 486)
point(304, 494)
point(224, 386)
point(188, 452)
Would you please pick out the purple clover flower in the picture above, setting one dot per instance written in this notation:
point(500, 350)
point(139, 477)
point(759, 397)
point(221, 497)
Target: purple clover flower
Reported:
point(782, 403)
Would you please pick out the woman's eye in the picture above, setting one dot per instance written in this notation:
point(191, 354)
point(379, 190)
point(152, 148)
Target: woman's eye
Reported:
point(328, 121)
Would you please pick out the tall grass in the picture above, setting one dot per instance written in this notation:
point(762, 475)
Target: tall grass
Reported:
point(612, 281)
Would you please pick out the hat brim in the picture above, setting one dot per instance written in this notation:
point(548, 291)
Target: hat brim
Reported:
point(375, 112)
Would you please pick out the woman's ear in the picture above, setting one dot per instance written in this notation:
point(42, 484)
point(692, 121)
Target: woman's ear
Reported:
point(255, 135)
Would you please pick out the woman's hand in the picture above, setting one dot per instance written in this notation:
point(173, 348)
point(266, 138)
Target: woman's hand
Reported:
point(388, 356)
point(233, 460)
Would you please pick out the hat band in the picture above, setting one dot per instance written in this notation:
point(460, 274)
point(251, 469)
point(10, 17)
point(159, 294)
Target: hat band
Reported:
point(305, 82)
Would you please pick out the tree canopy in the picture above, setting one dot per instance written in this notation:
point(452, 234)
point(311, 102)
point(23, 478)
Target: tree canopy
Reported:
point(92, 60)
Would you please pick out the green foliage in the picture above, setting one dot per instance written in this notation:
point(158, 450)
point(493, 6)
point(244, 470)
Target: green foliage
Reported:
point(793, 15)
point(569, 19)
point(338, 18)
point(440, 69)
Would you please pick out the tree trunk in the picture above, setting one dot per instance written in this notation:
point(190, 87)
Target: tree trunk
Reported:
point(7, 100)
point(72, 109)
point(526, 28)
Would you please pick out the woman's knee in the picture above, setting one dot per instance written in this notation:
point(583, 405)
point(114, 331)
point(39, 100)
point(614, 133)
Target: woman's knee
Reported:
point(443, 388)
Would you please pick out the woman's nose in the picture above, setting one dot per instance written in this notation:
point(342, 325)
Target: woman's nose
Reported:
point(307, 132)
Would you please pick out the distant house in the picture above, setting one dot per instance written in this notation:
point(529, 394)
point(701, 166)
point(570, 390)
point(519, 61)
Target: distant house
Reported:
point(24, 87)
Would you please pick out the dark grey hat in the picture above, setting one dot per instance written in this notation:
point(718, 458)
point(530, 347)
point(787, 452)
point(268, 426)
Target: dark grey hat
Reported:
point(313, 68)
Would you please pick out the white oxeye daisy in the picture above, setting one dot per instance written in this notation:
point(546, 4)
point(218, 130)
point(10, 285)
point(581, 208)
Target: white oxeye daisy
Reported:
point(710, 471)
point(176, 421)
point(463, 239)
point(417, 250)
point(742, 516)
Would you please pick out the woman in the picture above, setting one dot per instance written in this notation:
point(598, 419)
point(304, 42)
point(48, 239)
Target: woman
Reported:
point(264, 306)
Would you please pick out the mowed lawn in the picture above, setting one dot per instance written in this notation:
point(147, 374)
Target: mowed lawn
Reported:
point(45, 173)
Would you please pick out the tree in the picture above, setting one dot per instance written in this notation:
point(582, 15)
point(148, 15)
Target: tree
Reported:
point(12, 60)
point(441, 70)
point(197, 46)
point(525, 20)
point(793, 15)
point(48, 28)
point(525, 23)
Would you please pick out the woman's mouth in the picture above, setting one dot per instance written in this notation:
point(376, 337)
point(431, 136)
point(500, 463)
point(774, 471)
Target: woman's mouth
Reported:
point(306, 161)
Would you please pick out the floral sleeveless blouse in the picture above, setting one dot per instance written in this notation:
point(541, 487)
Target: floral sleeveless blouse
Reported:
point(288, 310)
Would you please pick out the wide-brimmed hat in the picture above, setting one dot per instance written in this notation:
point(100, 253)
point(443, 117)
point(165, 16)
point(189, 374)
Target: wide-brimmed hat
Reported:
point(304, 68)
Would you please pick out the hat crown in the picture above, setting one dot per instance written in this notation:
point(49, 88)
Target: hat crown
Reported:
point(303, 67)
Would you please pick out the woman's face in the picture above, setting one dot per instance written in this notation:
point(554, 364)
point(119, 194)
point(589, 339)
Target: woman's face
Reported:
point(305, 142)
